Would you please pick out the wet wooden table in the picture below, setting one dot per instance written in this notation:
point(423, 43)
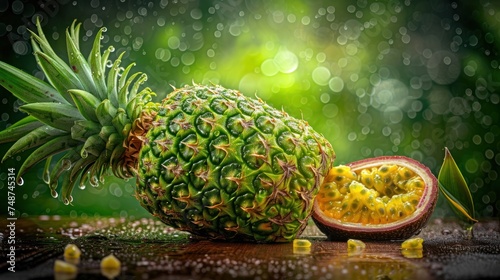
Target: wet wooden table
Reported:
point(151, 250)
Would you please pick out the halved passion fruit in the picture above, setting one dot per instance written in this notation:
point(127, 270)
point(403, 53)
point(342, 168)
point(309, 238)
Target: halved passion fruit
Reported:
point(383, 198)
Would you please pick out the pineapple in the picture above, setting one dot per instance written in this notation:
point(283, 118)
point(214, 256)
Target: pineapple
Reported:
point(207, 160)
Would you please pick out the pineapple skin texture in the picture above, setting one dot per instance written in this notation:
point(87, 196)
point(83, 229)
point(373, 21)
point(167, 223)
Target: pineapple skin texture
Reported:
point(223, 166)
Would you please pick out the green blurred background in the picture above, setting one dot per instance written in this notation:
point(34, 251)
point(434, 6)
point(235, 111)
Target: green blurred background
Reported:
point(375, 77)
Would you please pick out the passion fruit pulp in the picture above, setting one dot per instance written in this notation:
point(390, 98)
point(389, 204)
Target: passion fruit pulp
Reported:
point(382, 198)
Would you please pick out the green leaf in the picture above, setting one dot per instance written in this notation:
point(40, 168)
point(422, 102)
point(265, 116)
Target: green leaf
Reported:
point(123, 94)
point(78, 63)
point(83, 129)
point(95, 62)
point(59, 75)
point(113, 81)
point(19, 129)
point(454, 188)
point(27, 88)
point(64, 164)
point(61, 116)
point(105, 112)
point(86, 103)
point(52, 147)
point(34, 138)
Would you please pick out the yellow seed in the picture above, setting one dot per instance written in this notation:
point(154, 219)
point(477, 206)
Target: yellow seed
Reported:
point(343, 190)
point(110, 261)
point(365, 219)
point(354, 245)
point(413, 243)
point(64, 267)
point(355, 204)
point(375, 218)
point(413, 253)
point(356, 217)
point(71, 252)
point(301, 243)
point(395, 189)
point(405, 172)
point(302, 250)
point(408, 208)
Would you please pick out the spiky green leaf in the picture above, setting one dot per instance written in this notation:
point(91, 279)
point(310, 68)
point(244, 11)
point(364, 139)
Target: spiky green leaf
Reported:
point(60, 116)
point(41, 40)
point(80, 166)
point(27, 88)
point(19, 129)
point(34, 138)
point(78, 63)
point(52, 147)
point(95, 59)
point(83, 129)
point(59, 77)
point(105, 112)
point(67, 189)
point(123, 96)
point(86, 103)
point(120, 120)
point(46, 170)
point(135, 88)
point(75, 34)
point(113, 81)
point(93, 146)
point(453, 186)
point(64, 164)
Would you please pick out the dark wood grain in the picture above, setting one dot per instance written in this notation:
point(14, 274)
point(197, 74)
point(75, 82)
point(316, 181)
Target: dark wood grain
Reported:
point(149, 249)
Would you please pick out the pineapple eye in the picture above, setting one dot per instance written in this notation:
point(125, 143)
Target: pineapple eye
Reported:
point(234, 125)
point(204, 123)
point(219, 106)
point(287, 142)
point(245, 107)
point(219, 148)
point(265, 124)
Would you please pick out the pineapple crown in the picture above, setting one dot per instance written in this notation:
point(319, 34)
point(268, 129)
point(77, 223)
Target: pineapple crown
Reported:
point(83, 116)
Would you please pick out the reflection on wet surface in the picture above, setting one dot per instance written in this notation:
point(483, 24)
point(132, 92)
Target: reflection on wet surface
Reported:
point(147, 249)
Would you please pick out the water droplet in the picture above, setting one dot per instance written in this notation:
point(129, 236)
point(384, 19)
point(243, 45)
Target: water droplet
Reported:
point(66, 164)
point(46, 177)
point(94, 182)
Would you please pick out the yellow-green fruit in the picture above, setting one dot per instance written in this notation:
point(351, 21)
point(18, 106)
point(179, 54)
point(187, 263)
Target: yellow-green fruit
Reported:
point(110, 262)
point(380, 198)
point(64, 267)
point(219, 164)
point(71, 251)
point(413, 243)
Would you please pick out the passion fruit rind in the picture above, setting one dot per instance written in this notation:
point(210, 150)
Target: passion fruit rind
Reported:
point(338, 230)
